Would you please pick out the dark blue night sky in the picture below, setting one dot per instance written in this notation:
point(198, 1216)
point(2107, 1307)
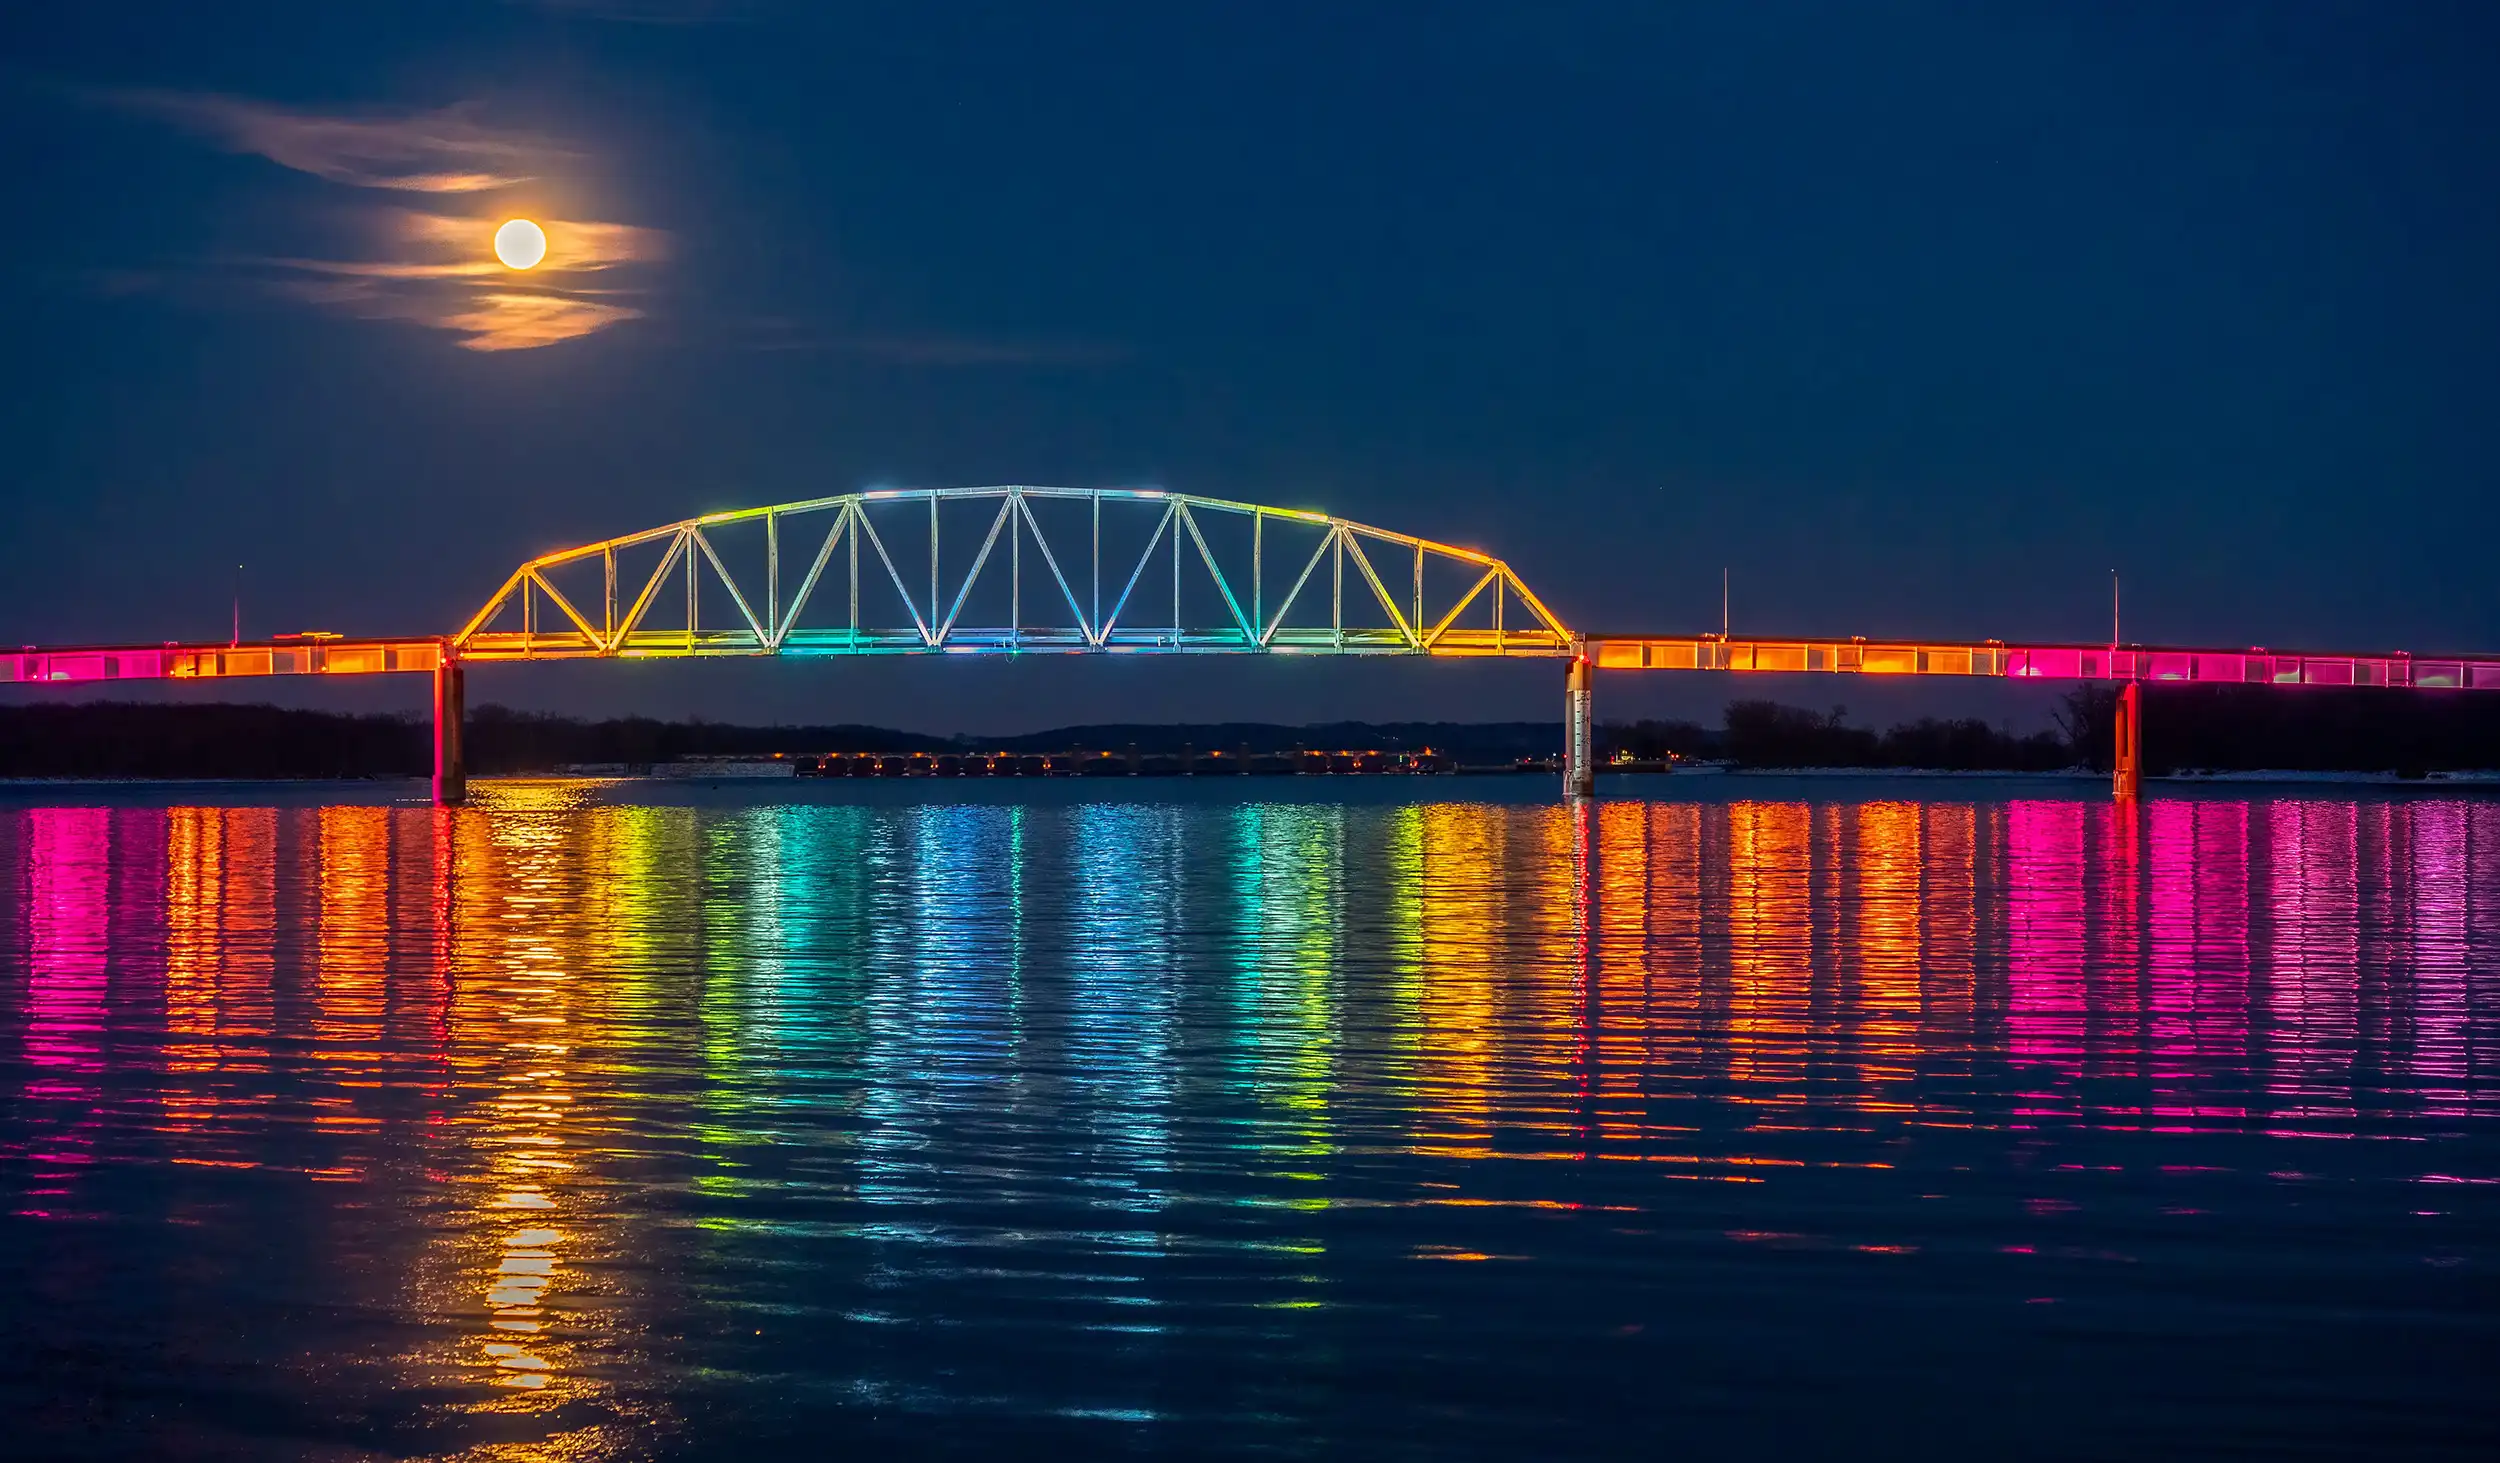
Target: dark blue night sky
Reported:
point(1921, 318)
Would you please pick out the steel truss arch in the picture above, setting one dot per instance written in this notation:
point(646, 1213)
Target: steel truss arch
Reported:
point(844, 553)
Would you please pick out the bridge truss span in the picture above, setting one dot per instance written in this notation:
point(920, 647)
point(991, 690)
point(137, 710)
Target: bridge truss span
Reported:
point(1007, 570)
point(1016, 569)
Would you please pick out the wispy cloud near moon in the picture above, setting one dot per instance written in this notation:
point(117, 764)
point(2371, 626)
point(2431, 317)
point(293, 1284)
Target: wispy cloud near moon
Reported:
point(505, 320)
point(446, 151)
point(426, 257)
point(454, 284)
point(438, 267)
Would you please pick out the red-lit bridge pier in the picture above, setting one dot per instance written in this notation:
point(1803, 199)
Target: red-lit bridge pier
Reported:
point(1025, 573)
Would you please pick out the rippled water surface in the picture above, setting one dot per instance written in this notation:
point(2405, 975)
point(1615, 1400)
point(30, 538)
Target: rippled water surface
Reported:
point(1798, 1120)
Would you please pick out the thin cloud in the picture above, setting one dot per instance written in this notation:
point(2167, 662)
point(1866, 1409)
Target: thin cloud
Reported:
point(445, 151)
point(433, 265)
point(456, 285)
point(496, 319)
point(384, 269)
point(508, 320)
point(572, 244)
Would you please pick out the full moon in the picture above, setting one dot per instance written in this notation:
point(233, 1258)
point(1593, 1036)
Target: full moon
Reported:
point(520, 243)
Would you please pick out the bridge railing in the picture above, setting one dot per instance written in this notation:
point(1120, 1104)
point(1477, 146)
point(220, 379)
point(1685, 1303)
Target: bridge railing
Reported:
point(2252, 668)
point(181, 662)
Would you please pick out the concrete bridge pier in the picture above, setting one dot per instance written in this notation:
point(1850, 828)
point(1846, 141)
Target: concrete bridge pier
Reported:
point(1579, 726)
point(2127, 767)
point(451, 769)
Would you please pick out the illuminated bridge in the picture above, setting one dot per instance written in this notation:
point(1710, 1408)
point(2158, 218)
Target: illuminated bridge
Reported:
point(1115, 571)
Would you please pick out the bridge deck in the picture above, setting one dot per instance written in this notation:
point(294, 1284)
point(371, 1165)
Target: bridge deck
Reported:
point(2254, 667)
point(180, 662)
point(2156, 664)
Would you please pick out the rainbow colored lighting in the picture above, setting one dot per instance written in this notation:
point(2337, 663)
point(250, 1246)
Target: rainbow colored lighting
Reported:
point(1198, 584)
point(2046, 662)
point(873, 576)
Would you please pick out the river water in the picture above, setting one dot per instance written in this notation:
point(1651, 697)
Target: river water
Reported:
point(1394, 1119)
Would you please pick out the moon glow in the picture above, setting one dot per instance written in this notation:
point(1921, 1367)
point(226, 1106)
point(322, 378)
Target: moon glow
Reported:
point(520, 243)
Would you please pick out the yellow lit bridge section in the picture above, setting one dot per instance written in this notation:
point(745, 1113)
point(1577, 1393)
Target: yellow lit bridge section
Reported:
point(1009, 570)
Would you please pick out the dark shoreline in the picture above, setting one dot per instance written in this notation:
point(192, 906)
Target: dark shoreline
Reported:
point(2235, 730)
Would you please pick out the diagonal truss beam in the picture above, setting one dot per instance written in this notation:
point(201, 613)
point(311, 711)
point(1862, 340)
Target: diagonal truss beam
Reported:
point(1208, 555)
point(1443, 627)
point(745, 611)
point(493, 606)
point(1143, 559)
point(1286, 606)
point(1041, 541)
point(566, 605)
point(1380, 591)
point(650, 591)
point(870, 529)
point(1527, 596)
point(1005, 507)
point(815, 571)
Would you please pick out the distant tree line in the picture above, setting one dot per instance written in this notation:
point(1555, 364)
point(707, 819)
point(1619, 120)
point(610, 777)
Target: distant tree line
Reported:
point(1769, 735)
point(2314, 729)
point(1466, 741)
point(2186, 727)
point(502, 740)
point(499, 739)
point(219, 740)
point(147, 739)
point(155, 739)
point(2219, 728)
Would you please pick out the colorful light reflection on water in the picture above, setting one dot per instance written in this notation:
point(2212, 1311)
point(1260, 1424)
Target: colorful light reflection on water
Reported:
point(560, 1127)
